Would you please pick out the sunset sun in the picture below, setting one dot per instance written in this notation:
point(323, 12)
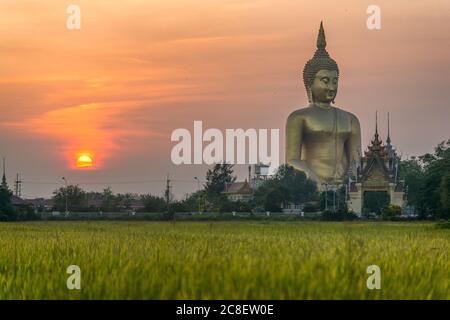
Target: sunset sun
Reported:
point(84, 161)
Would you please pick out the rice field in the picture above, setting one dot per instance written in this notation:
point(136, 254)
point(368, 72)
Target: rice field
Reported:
point(224, 260)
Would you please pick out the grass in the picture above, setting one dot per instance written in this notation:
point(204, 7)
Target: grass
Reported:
point(224, 260)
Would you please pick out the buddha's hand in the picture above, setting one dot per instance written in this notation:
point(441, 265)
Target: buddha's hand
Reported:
point(302, 166)
point(312, 176)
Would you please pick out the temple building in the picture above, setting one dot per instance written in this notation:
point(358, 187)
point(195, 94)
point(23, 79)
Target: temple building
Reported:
point(377, 171)
point(244, 191)
point(238, 191)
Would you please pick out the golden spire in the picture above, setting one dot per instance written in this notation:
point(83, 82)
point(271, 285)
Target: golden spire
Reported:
point(376, 140)
point(388, 140)
point(376, 124)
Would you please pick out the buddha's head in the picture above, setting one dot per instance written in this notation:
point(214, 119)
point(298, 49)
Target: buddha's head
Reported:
point(321, 74)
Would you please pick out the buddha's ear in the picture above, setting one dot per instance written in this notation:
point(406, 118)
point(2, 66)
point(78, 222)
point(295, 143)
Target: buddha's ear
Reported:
point(310, 95)
point(336, 91)
point(334, 97)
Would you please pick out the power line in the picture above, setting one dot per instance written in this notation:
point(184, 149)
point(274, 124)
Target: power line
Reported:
point(112, 182)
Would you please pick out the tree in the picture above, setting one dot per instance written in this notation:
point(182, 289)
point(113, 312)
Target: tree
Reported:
point(436, 167)
point(412, 172)
point(191, 203)
point(76, 198)
point(271, 196)
point(287, 186)
point(109, 201)
point(125, 200)
point(217, 178)
point(445, 193)
point(7, 211)
point(299, 187)
point(153, 203)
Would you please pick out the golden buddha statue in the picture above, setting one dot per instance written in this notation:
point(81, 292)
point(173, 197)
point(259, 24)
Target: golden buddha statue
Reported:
point(321, 139)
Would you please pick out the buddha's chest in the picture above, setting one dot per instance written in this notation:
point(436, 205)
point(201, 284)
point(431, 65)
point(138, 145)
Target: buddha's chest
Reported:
point(328, 124)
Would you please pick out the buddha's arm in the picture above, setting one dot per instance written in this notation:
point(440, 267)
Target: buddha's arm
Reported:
point(354, 142)
point(294, 142)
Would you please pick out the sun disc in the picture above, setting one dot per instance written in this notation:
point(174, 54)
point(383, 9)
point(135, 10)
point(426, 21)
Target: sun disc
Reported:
point(84, 160)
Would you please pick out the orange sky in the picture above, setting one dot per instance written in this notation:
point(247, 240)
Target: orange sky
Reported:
point(139, 69)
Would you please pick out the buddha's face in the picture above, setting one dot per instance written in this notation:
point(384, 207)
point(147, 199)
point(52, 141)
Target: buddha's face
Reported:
point(324, 87)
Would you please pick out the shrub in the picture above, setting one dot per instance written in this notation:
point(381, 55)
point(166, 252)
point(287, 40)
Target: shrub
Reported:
point(391, 211)
point(340, 215)
point(443, 225)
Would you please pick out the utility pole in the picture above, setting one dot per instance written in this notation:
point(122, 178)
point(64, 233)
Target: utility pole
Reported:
point(17, 186)
point(167, 192)
point(326, 197)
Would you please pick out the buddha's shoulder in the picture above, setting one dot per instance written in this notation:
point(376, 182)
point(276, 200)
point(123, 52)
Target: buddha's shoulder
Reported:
point(347, 114)
point(300, 113)
point(314, 112)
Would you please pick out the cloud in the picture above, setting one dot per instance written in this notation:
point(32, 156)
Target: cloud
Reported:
point(84, 128)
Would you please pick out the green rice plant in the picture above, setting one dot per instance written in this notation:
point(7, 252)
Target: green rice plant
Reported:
point(224, 260)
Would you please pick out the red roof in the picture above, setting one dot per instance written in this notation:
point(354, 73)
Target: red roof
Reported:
point(238, 187)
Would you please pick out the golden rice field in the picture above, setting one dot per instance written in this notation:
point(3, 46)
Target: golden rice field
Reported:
point(224, 260)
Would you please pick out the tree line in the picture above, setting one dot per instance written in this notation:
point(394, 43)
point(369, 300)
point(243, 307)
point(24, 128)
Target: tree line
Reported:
point(288, 185)
point(427, 179)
